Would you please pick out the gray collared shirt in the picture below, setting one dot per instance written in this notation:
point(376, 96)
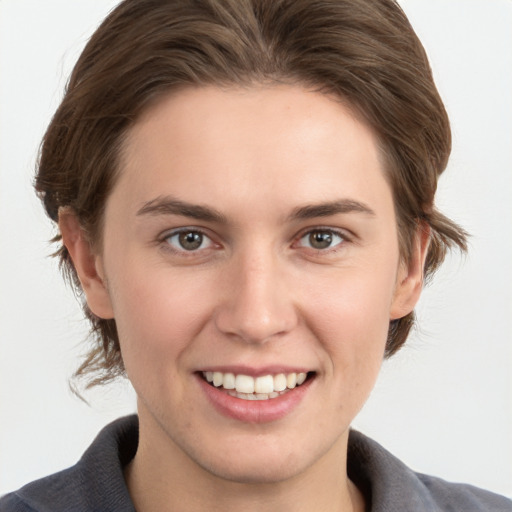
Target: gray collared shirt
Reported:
point(96, 483)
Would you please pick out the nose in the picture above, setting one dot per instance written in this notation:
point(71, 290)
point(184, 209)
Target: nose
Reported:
point(257, 304)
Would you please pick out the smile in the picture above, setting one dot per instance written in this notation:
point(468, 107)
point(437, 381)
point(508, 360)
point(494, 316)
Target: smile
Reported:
point(246, 387)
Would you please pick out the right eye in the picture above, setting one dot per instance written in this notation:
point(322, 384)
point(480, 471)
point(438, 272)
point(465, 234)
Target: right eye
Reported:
point(189, 240)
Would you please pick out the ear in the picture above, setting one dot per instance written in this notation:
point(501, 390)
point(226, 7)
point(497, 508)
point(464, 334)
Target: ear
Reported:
point(87, 263)
point(410, 276)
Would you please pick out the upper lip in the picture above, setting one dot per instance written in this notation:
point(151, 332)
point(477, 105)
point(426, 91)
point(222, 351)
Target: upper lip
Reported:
point(255, 371)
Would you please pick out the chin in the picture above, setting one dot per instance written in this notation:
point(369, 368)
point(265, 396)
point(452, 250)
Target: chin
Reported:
point(255, 472)
point(263, 461)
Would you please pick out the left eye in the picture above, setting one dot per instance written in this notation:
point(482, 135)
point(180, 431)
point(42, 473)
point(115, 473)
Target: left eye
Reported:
point(321, 239)
point(188, 240)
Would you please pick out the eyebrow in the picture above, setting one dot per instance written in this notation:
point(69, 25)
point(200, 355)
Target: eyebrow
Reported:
point(330, 208)
point(167, 205)
point(170, 206)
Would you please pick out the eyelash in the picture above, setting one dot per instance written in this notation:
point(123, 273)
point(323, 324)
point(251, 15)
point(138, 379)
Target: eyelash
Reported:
point(164, 240)
point(344, 238)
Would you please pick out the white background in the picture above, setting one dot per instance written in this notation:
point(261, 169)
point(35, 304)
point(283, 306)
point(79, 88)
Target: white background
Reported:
point(443, 405)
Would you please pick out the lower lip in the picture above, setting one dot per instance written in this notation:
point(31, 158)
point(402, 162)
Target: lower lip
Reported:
point(255, 411)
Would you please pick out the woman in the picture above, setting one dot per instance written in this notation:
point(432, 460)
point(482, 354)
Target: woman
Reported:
point(245, 194)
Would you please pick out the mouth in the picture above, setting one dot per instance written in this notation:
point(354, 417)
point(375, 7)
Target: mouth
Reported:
point(264, 387)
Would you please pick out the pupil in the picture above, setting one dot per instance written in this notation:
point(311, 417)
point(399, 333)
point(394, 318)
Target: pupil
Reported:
point(190, 240)
point(320, 239)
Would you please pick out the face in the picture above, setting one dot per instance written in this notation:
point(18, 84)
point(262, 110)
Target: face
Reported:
point(250, 260)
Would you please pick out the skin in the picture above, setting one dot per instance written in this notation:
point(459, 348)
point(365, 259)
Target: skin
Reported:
point(256, 292)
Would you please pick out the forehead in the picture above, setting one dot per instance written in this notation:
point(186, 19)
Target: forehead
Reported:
point(211, 144)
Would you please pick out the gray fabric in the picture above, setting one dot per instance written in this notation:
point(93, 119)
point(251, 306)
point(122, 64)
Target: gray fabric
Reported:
point(390, 486)
point(96, 483)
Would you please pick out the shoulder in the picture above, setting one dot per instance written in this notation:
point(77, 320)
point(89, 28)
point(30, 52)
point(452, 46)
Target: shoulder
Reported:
point(95, 483)
point(391, 486)
point(463, 497)
point(13, 503)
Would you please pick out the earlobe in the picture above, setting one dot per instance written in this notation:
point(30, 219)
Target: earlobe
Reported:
point(87, 263)
point(410, 277)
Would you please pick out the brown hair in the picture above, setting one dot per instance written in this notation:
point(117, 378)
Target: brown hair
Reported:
point(363, 51)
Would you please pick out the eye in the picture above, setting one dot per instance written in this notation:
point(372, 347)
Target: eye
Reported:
point(321, 239)
point(188, 240)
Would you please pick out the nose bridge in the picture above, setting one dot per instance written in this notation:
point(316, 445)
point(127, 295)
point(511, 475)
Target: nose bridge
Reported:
point(257, 305)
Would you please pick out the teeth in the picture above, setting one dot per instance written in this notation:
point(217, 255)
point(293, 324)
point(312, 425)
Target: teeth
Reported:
point(264, 384)
point(244, 384)
point(291, 380)
point(254, 396)
point(259, 388)
point(228, 382)
point(280, 382)
point(218, 379)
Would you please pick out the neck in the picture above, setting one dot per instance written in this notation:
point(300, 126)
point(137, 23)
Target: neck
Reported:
point(163, 478)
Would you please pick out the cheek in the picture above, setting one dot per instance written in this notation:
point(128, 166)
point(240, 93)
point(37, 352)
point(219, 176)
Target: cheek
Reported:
point(352, 302)
point(350, 319)
point(158, 316)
